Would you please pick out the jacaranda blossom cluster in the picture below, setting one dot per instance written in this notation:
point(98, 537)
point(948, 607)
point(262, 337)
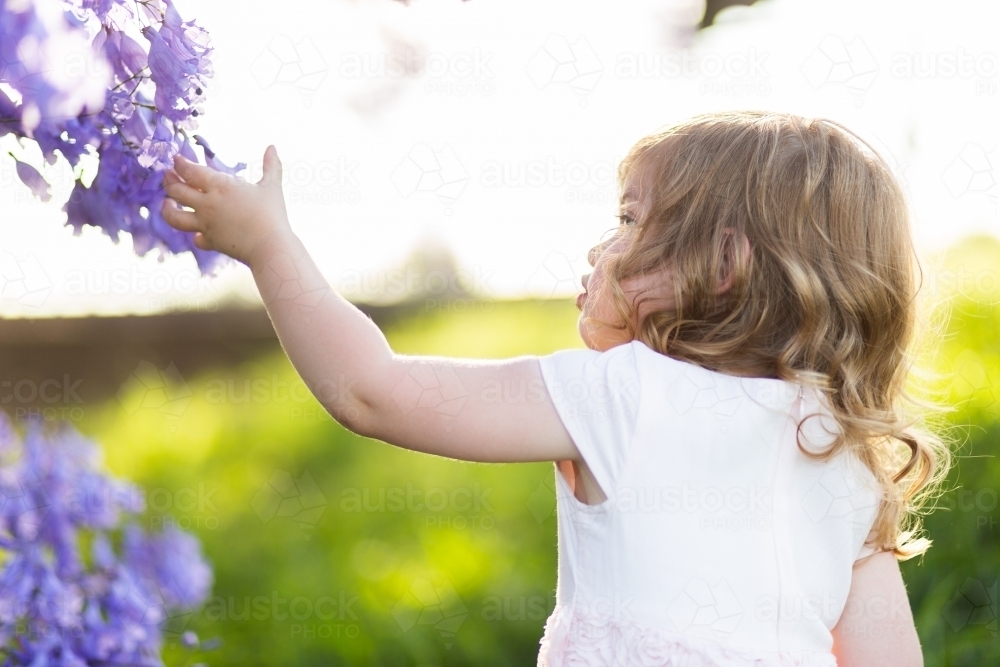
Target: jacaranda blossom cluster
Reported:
point(78, 584)
point(124, 79)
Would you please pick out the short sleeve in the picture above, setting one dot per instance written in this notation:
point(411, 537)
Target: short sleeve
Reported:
point(596, 395)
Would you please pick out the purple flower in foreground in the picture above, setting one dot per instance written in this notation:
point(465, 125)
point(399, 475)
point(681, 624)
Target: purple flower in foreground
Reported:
point(30, 177)
point(214, 162)
point(135, 106)
point(37, 38)
point(54, 610)
point(172, 558)
point(160, 148)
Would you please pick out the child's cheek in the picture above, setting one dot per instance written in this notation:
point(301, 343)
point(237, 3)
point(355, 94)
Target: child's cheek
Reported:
point(598, 336)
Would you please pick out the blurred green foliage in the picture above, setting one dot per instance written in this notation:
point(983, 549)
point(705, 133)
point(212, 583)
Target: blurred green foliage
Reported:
point(383, 534)
point(332, 549)
point(953, 588)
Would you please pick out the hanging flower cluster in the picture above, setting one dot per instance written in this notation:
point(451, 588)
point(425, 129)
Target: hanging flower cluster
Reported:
point(68, 595)
point(122, 79)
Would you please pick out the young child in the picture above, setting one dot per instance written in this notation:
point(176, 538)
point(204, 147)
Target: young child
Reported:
point(736, 475)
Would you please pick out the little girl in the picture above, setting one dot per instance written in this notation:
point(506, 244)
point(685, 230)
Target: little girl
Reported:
point(736, 476)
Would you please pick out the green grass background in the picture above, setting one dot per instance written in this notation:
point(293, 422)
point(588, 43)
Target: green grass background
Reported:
point(473, 585)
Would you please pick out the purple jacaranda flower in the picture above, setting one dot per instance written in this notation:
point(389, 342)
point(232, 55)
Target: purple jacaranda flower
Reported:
point(119, 106)
point(160, 148)
point(71, 138)
point(54, 608)
point(89, 206)
point(125, 54)
point(10, 114)
point(187, 40)
point(214, 162)
point(167, 558)
point(176, 75)
point(148, 107)
point(39, 37)
point(100, 8)
point(136, 129)
point(30, 177)
point(17, 585)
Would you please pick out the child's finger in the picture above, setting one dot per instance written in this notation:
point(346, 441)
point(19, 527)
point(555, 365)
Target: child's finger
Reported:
point(194, 174)
point(170, 176)
point(272, 167)
point(201, 242)
point(181, 192)
point(179, 219)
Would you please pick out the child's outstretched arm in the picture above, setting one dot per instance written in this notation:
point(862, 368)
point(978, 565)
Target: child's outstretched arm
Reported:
point(449, 407)
point(877, 627)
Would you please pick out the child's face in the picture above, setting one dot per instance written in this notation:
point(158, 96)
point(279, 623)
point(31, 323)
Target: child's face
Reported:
point(654, 288)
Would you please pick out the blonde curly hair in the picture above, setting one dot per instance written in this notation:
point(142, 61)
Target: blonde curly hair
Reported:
point(826, 298)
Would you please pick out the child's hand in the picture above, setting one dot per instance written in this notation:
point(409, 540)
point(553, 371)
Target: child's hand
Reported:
point(230, 215)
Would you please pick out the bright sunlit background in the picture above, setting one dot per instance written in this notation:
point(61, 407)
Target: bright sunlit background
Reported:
point(493, 129)
point(487, 131)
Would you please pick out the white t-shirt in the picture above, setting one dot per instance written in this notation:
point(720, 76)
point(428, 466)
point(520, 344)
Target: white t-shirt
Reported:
point(720, 542)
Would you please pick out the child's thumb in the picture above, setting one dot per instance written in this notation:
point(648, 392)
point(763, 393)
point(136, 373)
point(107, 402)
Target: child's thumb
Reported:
point(272, 165)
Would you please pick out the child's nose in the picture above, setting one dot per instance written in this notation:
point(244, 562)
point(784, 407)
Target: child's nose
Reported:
point(583, 281)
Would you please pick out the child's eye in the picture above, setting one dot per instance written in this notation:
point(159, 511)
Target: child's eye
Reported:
point(626, 219)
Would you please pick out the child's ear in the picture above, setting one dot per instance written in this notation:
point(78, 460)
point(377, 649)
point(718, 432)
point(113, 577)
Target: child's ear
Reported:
point(732, 243)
